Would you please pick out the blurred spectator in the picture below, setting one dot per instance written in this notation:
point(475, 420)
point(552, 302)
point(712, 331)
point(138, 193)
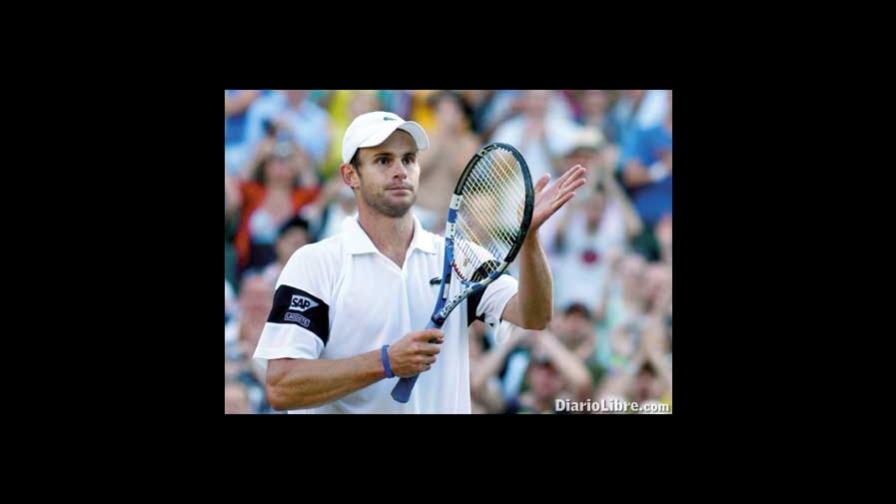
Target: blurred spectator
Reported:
point(236, 127)
point(553, 373)
point(499, 107)
point(646, 162)
point(398, 102)
point(641, 320)
point(451, 147)
point(657, 105)
point(538, 135)
point(342, 205)
point(422, 111)
point(241, 336)
point(598, 222)
point(477, 102)
point(594, 112)
point(282, 184)
point(232, 203)
point(646, 170)
point(236, 398)
point(485, 364)
point(658, 296)
point(620, 311)
point(575, 329)
point(624, 115)
point(637, 108)
point(292, 236)
point(255, 300)
point(647, 378)
point(290, 116)
point(663, 234)
point(504, 105)
point(320, 97)
point(230, 308)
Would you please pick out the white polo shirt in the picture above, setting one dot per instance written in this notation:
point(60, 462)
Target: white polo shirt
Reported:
point(341, 297)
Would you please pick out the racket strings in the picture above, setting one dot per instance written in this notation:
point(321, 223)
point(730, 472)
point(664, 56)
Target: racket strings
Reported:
point(499, 191)
point(480, 225)
point(512, 184)
point(490, 215)
point(507, 194)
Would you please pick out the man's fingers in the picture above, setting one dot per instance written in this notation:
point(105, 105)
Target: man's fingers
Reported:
point(542, 182)
point(429, 334)
point(568, 174)
point(430, 349)
point(575, 177)
point(574, 184)
point(562, 201)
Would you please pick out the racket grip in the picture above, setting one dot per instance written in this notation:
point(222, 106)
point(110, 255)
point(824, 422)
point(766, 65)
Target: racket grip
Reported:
point(404, 387)
point(402, 390)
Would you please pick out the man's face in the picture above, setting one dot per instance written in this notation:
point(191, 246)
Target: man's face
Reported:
point(390, 175)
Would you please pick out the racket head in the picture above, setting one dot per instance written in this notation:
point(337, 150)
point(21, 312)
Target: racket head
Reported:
point(488, 220)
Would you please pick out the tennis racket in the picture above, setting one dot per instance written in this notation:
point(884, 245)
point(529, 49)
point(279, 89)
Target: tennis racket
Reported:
point(488, 219)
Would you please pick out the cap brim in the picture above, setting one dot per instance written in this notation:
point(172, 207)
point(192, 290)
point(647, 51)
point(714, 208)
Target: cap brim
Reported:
point(417, 133)
point(415, 130)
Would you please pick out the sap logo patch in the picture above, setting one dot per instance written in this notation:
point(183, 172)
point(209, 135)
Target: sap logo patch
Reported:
point(295, 306)
point(301, 303)
point(295, 317)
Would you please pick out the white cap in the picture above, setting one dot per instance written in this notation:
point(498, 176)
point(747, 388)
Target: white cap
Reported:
point(373, 128)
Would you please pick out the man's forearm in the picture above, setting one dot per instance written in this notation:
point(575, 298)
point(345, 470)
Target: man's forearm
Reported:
point(305, 383)
point(536, 285)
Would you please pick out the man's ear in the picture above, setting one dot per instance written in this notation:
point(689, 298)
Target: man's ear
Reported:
point(349, 175)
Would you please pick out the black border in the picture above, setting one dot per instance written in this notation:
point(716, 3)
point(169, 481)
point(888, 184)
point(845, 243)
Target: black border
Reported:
point(169, 244)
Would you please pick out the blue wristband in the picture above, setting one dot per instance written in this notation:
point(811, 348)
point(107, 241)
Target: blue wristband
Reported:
point(384, 356)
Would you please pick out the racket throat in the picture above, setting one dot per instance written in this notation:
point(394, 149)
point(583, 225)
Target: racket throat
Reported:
point(436, 322)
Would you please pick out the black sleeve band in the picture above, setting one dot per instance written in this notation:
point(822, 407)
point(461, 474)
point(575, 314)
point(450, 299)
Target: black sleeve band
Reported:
point(472, 306)
point(295, 306)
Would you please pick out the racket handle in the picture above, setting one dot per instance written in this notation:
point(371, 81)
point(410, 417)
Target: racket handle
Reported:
point(404, 387)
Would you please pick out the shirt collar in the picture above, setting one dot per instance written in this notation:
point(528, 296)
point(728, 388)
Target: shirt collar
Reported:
point(357, 241)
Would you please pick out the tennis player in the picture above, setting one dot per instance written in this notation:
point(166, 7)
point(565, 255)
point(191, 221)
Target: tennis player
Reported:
point(348, 310)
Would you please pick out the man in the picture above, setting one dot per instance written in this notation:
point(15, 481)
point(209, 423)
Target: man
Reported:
point(348, 311)
point(292, 236)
